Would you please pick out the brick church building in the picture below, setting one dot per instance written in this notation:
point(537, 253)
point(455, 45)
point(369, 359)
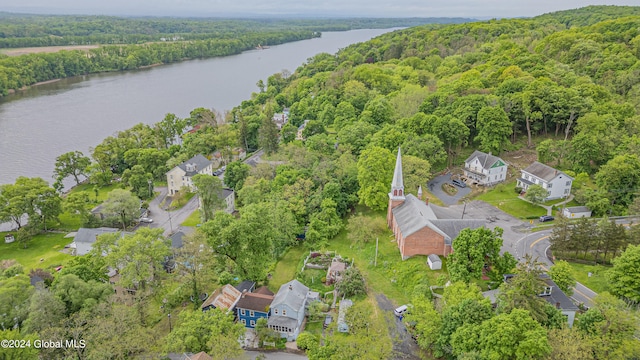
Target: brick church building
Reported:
point(421, 228)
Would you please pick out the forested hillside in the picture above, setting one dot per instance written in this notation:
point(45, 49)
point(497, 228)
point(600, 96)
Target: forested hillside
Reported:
point(130, 43)
point(482, 85)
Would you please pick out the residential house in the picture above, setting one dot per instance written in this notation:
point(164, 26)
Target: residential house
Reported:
point(557, 183)
point(421, 228)
point(288, 310)
point(342, 315)
point(181, 175)
point(575, 212)
point(228, 198)
point(253, 306)
point(551, 293)
point(301, 129)
point(224, 298)
point(485, 169)
point(219, 158)
point(280, 119)
point(85, 238)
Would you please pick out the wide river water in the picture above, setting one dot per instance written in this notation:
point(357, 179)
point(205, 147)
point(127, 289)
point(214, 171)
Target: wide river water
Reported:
point(45, 121)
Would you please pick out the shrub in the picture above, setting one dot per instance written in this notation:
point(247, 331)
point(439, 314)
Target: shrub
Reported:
point(306, 340)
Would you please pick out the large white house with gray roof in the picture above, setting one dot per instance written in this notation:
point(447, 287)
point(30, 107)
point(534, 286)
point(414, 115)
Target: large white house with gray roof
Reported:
point(287, 309)
point(85, 238)
point(557, 183)
point(180, 176)
point(485, 169)
point(419, 227)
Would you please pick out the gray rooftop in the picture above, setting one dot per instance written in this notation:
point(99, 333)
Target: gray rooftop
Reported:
point(226, 192)
point(85, 238)
point(434, 258)
point(413, 214)
point(486, 160)
point(558, 297)
point(576, 209)
point(176, 240)
point(199, 162)
point(543, 171)
point(293, 294)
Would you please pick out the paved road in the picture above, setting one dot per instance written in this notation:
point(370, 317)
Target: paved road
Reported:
point(435, 186)
point(271, 355)
point(170, 220)
point(404, 347)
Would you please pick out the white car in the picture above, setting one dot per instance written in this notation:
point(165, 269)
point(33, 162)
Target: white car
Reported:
point(399, 312)
point(146, 220)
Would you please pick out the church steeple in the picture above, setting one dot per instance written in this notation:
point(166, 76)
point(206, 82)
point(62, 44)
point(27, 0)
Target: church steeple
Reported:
point(397, 185)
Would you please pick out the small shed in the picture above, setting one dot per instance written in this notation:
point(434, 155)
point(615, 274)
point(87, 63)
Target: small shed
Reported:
point(434, 262)
point(576, 212)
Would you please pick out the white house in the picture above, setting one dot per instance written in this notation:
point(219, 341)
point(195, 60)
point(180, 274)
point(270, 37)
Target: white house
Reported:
point(576, 212)
point(181, 175)
point(287, 310)
point(485, 169)
point(557, 183)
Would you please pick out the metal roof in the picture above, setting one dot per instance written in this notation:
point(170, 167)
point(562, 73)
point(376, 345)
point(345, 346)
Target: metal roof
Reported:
point(486, 160)
point(544, 172)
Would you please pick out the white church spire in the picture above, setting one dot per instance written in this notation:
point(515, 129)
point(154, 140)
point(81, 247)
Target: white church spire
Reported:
point(397, 185)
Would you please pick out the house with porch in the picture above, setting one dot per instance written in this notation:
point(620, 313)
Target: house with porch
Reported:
point(253, 306)
point(288, 310)
point(557, 183)
point(181, 175)
point(485, 169)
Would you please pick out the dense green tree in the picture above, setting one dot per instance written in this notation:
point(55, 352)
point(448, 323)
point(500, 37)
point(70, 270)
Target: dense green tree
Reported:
point(364, 229)
point(45, 311)
point(235, 175)
point(192, 264)
point(268, 135)
point(560, 273)
point(416, 172)
point(77, 203)
point(212, 331)
point(536, 194)
point(472, 250)
point(122, 204)
point(73, 163)
point(620, 177)
point(30, 197)
point(209, 190)
point(77, 294)
point(468, 311)
point(140, 257)
point(428, 322)
point(352, 283)
point(357, 135)
point(494, 129)
point(17, 352)
point(325, 224)
point(374, 177)
point(506, 336)
point(14, 301)
point(624, 281)
point(138, 180)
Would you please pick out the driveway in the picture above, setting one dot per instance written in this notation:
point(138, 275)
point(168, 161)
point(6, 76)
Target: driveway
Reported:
point(404, 347)
point(170, 220)
point(435, 186)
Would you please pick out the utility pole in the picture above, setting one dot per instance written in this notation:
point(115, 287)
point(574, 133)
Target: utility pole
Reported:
point(375, 260)
point(464, 209)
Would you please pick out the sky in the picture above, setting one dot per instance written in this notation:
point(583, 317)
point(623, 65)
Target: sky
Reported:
point(479, 9)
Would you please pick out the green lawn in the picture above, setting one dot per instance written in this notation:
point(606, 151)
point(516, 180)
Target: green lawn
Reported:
point(193, 219)
point(102, 191)
point(505, 198)
point(597, 282)
point(287, 267)
point(45, 246)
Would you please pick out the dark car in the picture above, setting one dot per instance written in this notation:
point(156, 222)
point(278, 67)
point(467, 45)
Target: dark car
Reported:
point(546, 218)
point(459, 183)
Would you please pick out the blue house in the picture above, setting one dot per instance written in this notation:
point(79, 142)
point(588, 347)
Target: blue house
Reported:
point(253, 306)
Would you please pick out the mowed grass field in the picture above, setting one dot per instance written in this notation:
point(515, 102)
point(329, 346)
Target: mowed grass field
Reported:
point(42, 252)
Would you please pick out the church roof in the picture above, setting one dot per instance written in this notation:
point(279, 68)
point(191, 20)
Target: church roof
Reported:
point(413, 215)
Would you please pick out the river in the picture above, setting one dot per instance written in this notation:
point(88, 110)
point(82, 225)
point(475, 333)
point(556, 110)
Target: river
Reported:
point(41, 123)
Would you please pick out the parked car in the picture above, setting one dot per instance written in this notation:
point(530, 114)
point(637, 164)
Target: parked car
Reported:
point(146, 220)
point(546, 218)
point(400, 311)
point(459, 183)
